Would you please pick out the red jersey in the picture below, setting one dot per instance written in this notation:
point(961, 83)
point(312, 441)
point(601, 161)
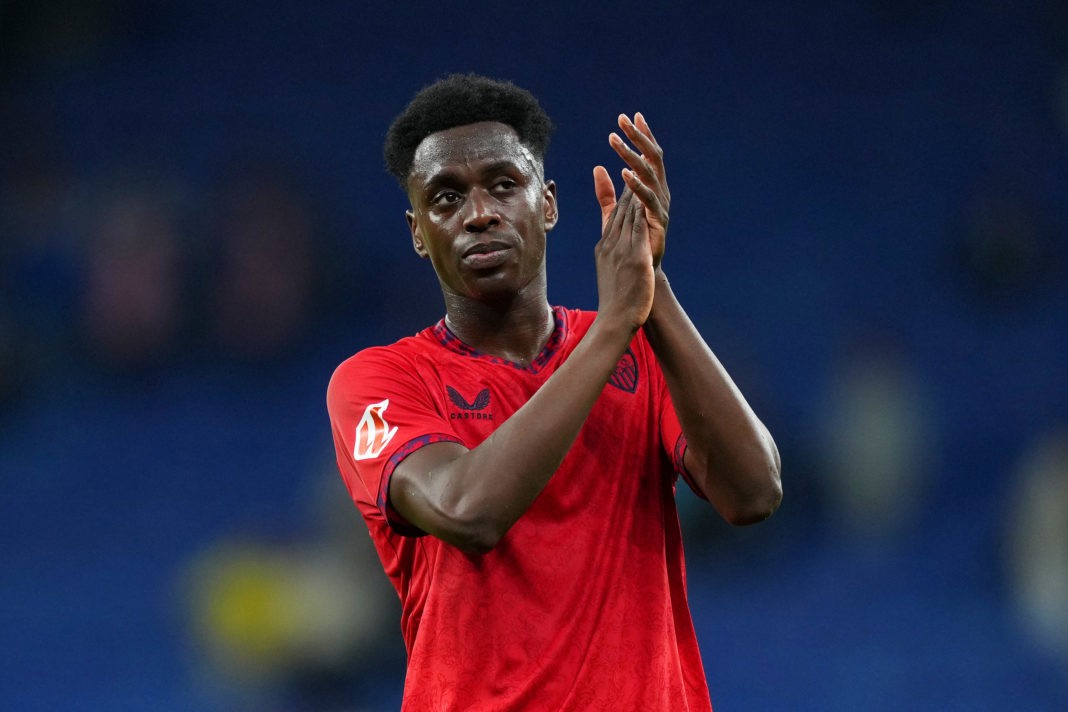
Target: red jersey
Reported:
point(582, 604)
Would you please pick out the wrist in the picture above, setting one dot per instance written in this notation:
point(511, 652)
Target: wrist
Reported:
point(612, 333)
point(663, 297)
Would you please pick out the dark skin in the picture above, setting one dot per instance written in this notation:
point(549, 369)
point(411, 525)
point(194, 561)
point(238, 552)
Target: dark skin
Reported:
point(480, 212)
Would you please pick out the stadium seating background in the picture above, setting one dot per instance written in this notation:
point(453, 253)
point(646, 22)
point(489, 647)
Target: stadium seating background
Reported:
point(832, 164)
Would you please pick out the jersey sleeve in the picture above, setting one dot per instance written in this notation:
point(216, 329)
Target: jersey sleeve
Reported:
point(381, 412)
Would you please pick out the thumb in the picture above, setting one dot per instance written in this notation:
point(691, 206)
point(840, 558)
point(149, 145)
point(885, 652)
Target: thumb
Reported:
point(605, 192)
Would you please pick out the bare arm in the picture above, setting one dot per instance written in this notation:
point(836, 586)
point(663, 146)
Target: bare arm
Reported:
point(470, 498)
point(730, 454)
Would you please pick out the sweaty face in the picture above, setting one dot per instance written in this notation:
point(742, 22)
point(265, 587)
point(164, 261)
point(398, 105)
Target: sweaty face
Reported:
point(480, 211)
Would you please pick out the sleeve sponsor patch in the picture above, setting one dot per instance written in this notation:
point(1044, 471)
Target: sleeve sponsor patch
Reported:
point(373, 432)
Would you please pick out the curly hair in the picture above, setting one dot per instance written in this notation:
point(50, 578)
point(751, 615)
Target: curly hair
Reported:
point(461, 99)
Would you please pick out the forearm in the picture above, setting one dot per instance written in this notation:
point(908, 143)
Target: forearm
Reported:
point(476, 497)
point(731, 455)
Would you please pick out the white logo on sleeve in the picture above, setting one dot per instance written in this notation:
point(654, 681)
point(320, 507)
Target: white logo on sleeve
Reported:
point(373, 432)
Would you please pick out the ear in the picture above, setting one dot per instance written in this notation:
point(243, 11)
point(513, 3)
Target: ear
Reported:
point(551, 211)
point(417, 241)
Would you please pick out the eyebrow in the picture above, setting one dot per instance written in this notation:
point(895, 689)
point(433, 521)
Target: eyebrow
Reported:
point(446, 176)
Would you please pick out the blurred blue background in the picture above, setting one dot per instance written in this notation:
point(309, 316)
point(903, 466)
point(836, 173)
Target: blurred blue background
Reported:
point(869, 225)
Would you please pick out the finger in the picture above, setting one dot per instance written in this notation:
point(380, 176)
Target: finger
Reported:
point(639, 165)
point(632, 158)
point(643, 126)
point(638, 131)
point(615, 219)
point(627, 228)
point(639, 228)
point(605, 191)
point(638, 231)
point(644, 193)
point(641, 136)
point(625, 200)
point(652, 160)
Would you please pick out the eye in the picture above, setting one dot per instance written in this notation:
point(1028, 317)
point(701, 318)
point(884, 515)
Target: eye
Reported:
point(445, 197)
point(504, 185)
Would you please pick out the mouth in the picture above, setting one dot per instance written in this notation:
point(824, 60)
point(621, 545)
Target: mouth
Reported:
point(484, 255)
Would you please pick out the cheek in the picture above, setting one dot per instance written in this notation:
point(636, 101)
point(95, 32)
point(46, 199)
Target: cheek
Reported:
point(534, 253)
point(436, 236)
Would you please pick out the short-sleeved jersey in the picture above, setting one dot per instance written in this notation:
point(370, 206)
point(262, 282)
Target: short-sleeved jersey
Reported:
point(582, 604)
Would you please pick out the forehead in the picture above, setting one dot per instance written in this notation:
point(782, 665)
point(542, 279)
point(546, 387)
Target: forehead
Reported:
point(469, 146)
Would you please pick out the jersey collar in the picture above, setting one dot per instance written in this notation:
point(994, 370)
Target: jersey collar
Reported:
point(453, 343)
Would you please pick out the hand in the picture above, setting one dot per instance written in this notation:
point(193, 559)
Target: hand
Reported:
point(644, 176)
point(625, 271)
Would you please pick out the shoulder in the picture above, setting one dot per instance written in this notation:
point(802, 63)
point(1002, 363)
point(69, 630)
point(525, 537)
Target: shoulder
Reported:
point(380, 365)
point(374, 357)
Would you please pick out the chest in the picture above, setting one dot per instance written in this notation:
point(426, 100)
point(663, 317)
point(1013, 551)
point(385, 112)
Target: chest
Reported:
point(477, 397)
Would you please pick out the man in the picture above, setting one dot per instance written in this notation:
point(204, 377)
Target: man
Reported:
point(516, 463)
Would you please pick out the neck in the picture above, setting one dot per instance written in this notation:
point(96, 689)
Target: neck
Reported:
point(516, 329)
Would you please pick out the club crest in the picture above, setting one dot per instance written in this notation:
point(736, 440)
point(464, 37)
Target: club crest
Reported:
point(625, 377)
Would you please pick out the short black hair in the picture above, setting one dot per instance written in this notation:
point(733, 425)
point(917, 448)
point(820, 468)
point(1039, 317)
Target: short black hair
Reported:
point(458, 100)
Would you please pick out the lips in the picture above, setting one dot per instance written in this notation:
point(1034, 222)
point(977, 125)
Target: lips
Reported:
point(486, 255)
point(483, 248)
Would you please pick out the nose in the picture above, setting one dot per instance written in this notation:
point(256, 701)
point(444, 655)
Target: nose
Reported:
point(481, 212)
